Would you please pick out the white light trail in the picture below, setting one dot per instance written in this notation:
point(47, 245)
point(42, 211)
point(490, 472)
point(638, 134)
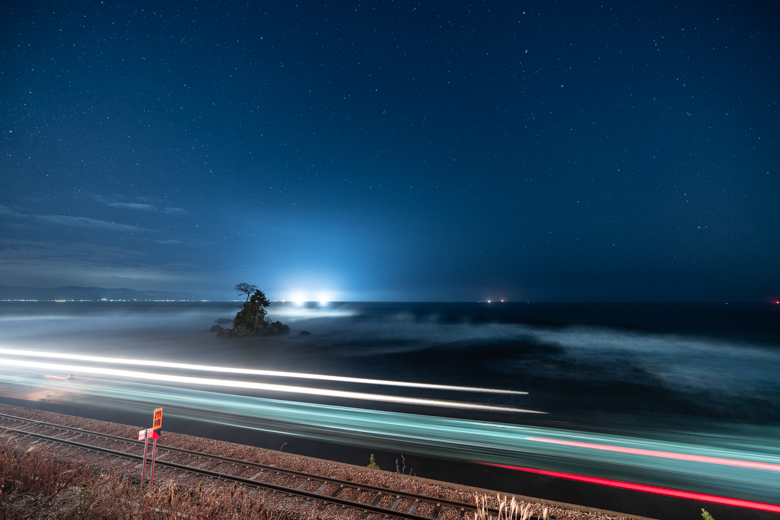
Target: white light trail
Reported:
point(252, 372)
point(259, 386)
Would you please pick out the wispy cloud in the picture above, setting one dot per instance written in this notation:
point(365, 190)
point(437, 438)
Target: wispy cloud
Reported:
point(5, 210)
point(132, 205)
point(85, 222)
point(174, 211)
point(190, 242)
point(142, 205)
point(69, 221)
point(59, 262)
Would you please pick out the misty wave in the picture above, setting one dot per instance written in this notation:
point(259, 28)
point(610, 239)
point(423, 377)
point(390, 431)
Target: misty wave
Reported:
point(565, 365)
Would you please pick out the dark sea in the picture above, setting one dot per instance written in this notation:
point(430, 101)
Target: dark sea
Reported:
point(647, 366)
point(707, 374)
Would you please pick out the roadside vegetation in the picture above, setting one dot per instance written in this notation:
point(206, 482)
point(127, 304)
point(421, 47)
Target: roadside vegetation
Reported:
point(35, 484)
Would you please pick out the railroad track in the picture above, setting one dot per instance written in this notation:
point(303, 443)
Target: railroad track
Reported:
point(366, 498)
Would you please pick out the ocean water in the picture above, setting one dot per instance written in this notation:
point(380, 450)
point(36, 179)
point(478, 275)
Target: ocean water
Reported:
point(698, 367)
point(690, 378)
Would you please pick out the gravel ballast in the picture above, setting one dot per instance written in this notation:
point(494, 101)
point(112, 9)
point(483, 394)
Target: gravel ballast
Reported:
point(279, 501)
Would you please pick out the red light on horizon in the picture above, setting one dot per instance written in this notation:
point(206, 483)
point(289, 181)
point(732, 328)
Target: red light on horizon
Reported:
point(690, 495)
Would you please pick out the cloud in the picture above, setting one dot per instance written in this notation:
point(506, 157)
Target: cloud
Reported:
point(59, 262)
point(190, 242)
point(141, 206)
point(5, 210)
point(174, 211)
point(85, 222)
point(132, 205)
point(66, 220)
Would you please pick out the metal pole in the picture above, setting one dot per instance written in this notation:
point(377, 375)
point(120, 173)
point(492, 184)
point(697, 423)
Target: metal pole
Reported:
point(154, 455)
point(146, 449)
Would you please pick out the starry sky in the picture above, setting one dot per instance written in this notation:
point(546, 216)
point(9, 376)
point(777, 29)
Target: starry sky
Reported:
point(393, 150)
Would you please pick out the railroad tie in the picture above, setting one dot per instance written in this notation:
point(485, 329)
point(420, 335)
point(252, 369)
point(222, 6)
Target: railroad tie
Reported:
point(353, 496)
point(321, 488)
point(415, 505)
point(395, 502)
point(436, 511)
point(303, 486)
point(256, 475)
point(337, 490)
point(376, 499)
point(240, 471)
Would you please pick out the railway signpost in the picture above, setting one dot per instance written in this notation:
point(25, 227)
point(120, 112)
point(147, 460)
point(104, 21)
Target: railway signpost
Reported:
point(157, 422)
point(156, 429)
point(154, 434)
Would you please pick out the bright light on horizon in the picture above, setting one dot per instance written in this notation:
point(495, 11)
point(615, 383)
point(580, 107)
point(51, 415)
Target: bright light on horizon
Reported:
point(323, 298)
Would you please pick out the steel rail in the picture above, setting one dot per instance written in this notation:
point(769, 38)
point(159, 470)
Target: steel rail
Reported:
point(357, 487)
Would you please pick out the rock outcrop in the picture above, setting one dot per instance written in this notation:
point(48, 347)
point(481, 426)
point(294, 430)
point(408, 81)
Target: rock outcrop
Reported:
point(259, 328)
point(251, 320)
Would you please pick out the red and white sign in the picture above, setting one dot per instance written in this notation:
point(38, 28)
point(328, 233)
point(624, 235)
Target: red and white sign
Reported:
point(148, 434)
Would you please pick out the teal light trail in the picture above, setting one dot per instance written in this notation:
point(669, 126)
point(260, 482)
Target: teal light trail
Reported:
point(750, 474)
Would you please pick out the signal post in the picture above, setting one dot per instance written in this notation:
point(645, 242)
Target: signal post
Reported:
point(154, 434)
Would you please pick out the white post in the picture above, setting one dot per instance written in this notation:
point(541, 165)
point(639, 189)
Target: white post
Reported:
point(154, 455)
point(146, 449)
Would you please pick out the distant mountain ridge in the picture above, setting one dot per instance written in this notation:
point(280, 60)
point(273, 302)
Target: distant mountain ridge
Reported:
point(85, 293)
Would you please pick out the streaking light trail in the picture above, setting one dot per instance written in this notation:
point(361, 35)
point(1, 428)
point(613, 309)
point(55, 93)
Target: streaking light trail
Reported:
point(259, 386)
point(437, 436)
point(664, 454)
point(737, 502)
point(253, 372)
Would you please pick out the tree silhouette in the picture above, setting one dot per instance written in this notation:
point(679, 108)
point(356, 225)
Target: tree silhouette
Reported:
point(246, 289)
point(259, 299)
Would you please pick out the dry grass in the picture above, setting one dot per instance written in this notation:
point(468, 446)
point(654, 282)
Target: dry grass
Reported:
point(508, 509)
point(35, 484)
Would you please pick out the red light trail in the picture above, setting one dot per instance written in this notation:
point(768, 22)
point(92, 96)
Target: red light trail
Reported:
point(664, 454)
point(736, 502)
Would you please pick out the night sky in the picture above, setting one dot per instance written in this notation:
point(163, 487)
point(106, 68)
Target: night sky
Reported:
point(393, 150)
